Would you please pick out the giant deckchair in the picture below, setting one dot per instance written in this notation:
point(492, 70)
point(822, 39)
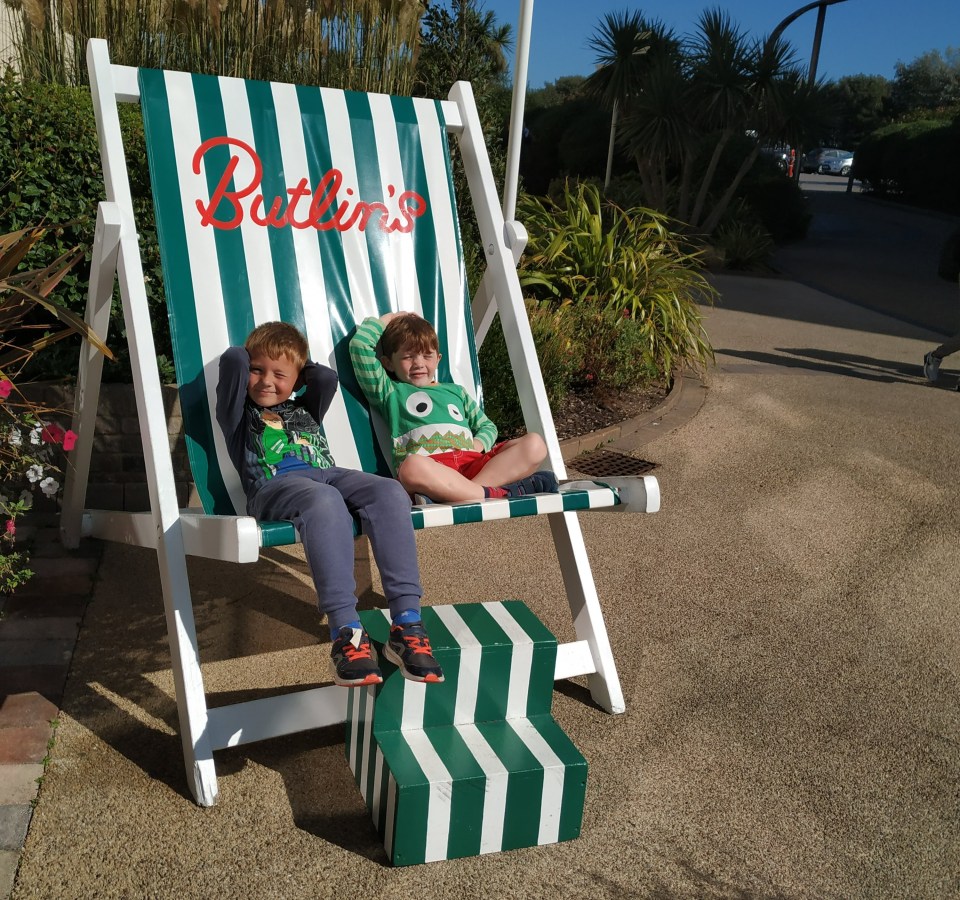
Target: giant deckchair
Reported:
point(317, 207)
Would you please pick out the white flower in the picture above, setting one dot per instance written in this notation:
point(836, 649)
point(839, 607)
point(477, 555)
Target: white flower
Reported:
point(50, 486)
point(14, 437)
point(35, 435)
point(34, 474)
point(26, 498)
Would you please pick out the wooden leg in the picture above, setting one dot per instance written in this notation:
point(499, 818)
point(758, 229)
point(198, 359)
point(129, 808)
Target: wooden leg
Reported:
point(585, 608)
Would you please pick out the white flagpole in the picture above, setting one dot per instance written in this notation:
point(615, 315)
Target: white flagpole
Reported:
point(515, 140)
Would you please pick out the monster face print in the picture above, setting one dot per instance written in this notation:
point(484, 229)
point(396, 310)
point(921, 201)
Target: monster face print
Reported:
point(435, 420)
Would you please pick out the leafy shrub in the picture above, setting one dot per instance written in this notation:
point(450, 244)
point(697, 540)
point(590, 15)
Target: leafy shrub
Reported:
point(627, 262)
point(580, 348)
point(744, 246)
point(570, 139)
point(614, 351)
point(915, 160)
point(49, 150)
point(558, 350)
point(779, 204)
point(27, 438)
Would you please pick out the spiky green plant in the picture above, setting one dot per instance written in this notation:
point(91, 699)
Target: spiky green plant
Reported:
point(626, 262)
point(25, 294)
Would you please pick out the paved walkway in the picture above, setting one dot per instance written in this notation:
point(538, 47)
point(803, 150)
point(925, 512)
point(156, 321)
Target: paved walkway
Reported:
point(876, 254)
point(786, 630)
point(38, 631)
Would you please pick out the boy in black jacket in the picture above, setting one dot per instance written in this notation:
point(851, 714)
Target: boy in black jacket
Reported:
point(274, 439)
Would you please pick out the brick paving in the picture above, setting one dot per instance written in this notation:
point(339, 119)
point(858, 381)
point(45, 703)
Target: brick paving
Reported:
point(39, 626)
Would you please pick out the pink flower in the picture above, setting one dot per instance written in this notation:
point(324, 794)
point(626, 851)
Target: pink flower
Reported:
point(69, 439)
point(11, 526)
point(5, 387)
point(52, 434)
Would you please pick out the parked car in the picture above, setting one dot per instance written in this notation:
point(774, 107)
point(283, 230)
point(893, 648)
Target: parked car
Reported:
point(837, 165)
point(779, 154)
point(814, 159)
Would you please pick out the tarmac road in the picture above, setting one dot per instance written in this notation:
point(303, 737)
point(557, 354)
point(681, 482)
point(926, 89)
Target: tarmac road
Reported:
point(874, 253)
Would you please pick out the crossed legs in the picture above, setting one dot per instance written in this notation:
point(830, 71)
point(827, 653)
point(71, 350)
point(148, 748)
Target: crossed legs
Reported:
point(517, 459)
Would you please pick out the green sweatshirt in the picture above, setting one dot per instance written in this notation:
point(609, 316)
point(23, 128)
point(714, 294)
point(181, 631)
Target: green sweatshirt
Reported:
point(426, 419)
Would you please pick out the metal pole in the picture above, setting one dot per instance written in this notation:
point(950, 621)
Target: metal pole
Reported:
point(796, 15)
point(817, 38)
point(821, 6)
point(515, 140)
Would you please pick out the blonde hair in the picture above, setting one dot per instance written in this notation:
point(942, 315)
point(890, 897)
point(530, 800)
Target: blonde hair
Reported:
point(276, 339)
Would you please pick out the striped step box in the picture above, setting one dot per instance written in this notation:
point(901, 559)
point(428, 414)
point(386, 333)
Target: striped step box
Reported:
point(476, 764)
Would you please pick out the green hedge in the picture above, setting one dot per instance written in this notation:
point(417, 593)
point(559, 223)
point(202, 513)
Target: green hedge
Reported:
point(50, 175)
point(914, 160)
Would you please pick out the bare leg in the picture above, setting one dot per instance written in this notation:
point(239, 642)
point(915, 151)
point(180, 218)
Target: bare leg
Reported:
point(421, 475)
point(519, 458)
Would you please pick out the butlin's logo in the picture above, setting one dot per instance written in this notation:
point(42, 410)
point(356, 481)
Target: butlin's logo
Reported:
point(305, 207)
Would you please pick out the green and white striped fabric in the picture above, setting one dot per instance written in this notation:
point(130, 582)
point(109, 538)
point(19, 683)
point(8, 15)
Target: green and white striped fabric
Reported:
point(317, 207)
point(476, 764)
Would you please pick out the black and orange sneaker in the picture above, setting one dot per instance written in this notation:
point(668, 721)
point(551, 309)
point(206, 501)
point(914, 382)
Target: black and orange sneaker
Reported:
point(409, 649)
point(354, 659)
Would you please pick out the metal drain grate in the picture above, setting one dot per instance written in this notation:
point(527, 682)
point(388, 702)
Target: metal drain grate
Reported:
point(605, 463)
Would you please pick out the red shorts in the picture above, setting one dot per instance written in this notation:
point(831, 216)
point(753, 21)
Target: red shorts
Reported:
point(467, 462)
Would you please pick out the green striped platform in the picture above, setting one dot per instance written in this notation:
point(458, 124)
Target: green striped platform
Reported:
point(476, 764)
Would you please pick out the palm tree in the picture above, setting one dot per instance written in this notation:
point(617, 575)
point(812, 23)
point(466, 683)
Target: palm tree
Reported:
point(657, 128)
point(773, 83)
point(685, 103)
point(619, 42)
point(720, 86)
point(462, 43)
point(493, 38)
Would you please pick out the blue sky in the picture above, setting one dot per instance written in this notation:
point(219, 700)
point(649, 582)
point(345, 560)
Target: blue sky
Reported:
point(860, 36)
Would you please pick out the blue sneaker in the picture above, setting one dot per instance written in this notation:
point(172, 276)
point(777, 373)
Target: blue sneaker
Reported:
point(409, 649)
point(544, 482)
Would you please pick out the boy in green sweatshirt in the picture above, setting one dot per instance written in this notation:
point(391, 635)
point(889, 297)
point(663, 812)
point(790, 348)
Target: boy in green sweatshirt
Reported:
point(444, 447)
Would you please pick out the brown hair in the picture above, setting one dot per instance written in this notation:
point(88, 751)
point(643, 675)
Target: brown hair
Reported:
point(408, 330)
point(276, 339)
